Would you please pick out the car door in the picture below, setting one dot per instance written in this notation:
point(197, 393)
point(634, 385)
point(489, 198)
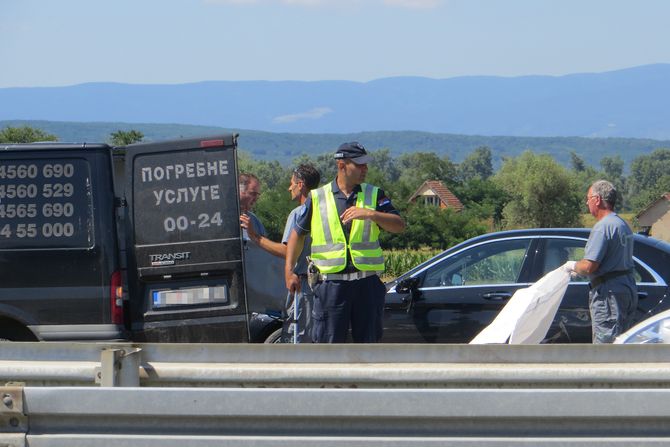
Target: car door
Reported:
point(572, 323)
point(459, 295)
point(186, 273)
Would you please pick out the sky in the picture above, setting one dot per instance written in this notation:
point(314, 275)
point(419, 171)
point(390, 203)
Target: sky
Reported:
point(67, 42)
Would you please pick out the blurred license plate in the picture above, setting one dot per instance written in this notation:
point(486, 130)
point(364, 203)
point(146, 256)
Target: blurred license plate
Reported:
point(190, 295)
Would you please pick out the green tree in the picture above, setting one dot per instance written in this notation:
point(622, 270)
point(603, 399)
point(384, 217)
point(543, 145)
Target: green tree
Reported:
point(124, 138)
point(577, 162)
point(648, 178)
point(612, 168)
point(430, 226)
point(483, 198)
point(645, 197)
point(477, 165)
point(542, 193)
point(25, 134)
point(324, 163)
point(417, 167)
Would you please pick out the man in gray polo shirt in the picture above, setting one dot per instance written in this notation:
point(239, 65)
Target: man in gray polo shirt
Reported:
point(608, 262)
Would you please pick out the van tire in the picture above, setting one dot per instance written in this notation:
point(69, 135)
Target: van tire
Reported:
point(14, 331)
point(274, 337)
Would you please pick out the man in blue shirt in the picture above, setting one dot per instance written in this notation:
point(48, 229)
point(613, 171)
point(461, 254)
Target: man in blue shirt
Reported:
point(608, 262)
point(304, 178)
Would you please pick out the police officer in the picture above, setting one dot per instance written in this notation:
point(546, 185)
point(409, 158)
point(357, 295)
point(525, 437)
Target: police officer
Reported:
point(343, 218)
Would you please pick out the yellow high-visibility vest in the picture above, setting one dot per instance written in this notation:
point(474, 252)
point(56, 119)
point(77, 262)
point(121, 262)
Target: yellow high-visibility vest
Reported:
point(329, 245)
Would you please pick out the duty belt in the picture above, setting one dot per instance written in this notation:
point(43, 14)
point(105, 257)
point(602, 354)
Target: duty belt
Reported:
point(595, 282)
point(353, 276)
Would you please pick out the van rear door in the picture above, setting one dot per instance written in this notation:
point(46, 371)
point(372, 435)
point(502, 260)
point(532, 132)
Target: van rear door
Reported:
point(184, 241)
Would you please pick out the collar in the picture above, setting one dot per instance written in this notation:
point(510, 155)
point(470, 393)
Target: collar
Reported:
point(336, 189)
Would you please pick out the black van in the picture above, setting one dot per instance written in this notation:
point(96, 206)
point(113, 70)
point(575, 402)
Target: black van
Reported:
point(138, 243)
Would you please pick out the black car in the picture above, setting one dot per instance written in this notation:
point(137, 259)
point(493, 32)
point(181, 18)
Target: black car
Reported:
point(453, 296)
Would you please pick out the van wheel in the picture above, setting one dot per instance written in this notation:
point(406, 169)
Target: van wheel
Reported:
point(13, 331)
point(274, 337)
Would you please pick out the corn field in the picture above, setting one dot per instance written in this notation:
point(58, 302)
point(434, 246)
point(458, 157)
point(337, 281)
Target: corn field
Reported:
point(397, 262)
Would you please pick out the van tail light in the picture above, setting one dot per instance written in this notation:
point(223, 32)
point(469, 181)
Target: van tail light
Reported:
point(211, 143)
point(116, 298)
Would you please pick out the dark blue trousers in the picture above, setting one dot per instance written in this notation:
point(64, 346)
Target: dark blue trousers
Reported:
point(340, 305)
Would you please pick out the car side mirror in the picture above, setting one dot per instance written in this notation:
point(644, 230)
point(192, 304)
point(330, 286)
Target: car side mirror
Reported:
point(407, 285)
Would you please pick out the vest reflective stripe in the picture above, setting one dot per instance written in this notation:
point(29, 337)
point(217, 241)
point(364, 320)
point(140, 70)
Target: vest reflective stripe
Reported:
point(323, 211)
point(371, 261)
point(367, 203)
point(324, 264)
point(364, 245)
point(329, 246)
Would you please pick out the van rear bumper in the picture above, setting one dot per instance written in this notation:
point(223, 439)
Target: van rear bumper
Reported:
point(72, 332)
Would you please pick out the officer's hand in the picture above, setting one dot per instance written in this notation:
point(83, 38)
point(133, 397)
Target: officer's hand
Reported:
point(354, 212)
point(292, 283)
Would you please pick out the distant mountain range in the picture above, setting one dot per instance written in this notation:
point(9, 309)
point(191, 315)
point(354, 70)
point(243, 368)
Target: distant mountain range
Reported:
point(625, 103)
point(285, 147)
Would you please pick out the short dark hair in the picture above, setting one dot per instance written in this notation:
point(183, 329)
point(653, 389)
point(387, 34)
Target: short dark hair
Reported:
point(245, 178)
point(308, 174)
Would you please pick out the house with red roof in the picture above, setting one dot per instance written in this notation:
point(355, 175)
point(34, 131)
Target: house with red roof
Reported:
point(434, 193)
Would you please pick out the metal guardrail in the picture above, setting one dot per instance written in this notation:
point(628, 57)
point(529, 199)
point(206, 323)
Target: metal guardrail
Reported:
point(87, 394)
point(362, 366)
point(335, 417)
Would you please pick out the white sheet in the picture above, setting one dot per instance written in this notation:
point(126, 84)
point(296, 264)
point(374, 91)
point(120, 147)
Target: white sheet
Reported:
point(527, 316)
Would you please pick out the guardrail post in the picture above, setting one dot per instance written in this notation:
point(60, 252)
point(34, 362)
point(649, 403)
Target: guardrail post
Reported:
point(119, 367)
point(13, 422)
